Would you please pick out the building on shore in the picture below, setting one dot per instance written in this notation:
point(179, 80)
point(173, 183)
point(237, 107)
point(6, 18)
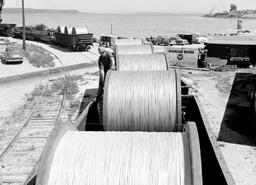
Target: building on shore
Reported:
point(235, 50)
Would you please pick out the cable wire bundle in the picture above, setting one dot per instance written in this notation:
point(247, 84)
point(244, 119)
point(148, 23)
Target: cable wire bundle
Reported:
point(133, 49)
point(140, 101)
point(143, 62)
point(121, 158)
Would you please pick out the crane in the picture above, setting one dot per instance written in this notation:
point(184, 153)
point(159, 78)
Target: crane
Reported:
point(1, 7)
point(5, 28)
point(212, 10)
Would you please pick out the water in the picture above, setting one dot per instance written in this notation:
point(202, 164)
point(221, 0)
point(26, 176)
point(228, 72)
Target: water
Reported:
point(136, 25)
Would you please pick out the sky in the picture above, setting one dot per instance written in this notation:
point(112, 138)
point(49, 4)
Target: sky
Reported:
point(130, 6)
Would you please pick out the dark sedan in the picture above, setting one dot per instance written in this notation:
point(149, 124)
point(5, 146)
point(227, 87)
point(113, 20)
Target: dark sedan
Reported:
point(12, 55)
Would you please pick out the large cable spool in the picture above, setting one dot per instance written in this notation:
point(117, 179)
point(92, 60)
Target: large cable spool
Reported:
point(128, 42)
point(61, 29)
point(49, 151)
point(114, 158)
point(142, 101)
point(80, 30)
point(133, 49)
point(68, 30)
point(144, 62)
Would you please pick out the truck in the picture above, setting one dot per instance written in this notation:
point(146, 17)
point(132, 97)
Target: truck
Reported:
point(185, 56)
point(191, 38)
point(107, 40)
point(233, 50)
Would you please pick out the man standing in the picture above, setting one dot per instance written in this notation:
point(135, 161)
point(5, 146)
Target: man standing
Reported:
point(106, 62)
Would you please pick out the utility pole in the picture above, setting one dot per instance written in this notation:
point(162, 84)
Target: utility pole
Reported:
point(111, 29)
point(23, 22)
point(239, 24)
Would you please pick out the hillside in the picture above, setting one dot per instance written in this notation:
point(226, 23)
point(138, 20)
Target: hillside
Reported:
point(31, 10)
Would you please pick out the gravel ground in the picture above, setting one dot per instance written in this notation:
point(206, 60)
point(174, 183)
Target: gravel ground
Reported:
point(213, 90)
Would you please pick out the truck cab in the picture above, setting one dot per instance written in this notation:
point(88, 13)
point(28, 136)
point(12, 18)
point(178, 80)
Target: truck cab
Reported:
point(107, 40)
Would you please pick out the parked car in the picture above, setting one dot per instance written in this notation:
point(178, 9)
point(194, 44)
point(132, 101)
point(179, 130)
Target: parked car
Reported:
point(12, 55)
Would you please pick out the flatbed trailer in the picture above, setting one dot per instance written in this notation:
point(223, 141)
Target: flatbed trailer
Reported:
point(78, 42)
point(34, 34)
point(214, 167)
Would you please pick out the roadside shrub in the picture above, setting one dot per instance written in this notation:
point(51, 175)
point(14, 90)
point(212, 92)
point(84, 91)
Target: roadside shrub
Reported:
point(58, 86)
point(74, 104)
point(71, 87)
point(97, 73)
point(40, 60)
point(75, 77)
point(95, 40)
point(37, 56)
point(41, 90)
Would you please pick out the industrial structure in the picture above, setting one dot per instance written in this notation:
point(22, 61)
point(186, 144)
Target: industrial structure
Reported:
point(235, 50)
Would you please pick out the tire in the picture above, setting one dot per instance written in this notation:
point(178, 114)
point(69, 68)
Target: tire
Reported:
point(3, 61)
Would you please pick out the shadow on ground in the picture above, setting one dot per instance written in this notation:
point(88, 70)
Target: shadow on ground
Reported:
point(63, 49)
point(89, 95)
point(239, 122)
point(11, 63)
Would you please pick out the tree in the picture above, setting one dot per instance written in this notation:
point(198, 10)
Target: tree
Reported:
point(233, 8)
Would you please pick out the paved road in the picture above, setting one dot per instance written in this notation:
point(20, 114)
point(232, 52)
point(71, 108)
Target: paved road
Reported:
point(66, 56)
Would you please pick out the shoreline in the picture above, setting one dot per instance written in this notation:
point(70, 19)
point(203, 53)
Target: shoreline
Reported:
point(244, 18)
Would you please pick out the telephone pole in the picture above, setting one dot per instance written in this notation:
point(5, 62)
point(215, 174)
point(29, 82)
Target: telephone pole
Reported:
point(23, 22)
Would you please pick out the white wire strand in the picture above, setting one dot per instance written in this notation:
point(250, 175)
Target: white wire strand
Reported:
point(121, 158)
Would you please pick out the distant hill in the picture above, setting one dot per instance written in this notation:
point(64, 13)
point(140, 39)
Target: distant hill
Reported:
point(166, 13)
point(72, 11)
point(31, 10)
